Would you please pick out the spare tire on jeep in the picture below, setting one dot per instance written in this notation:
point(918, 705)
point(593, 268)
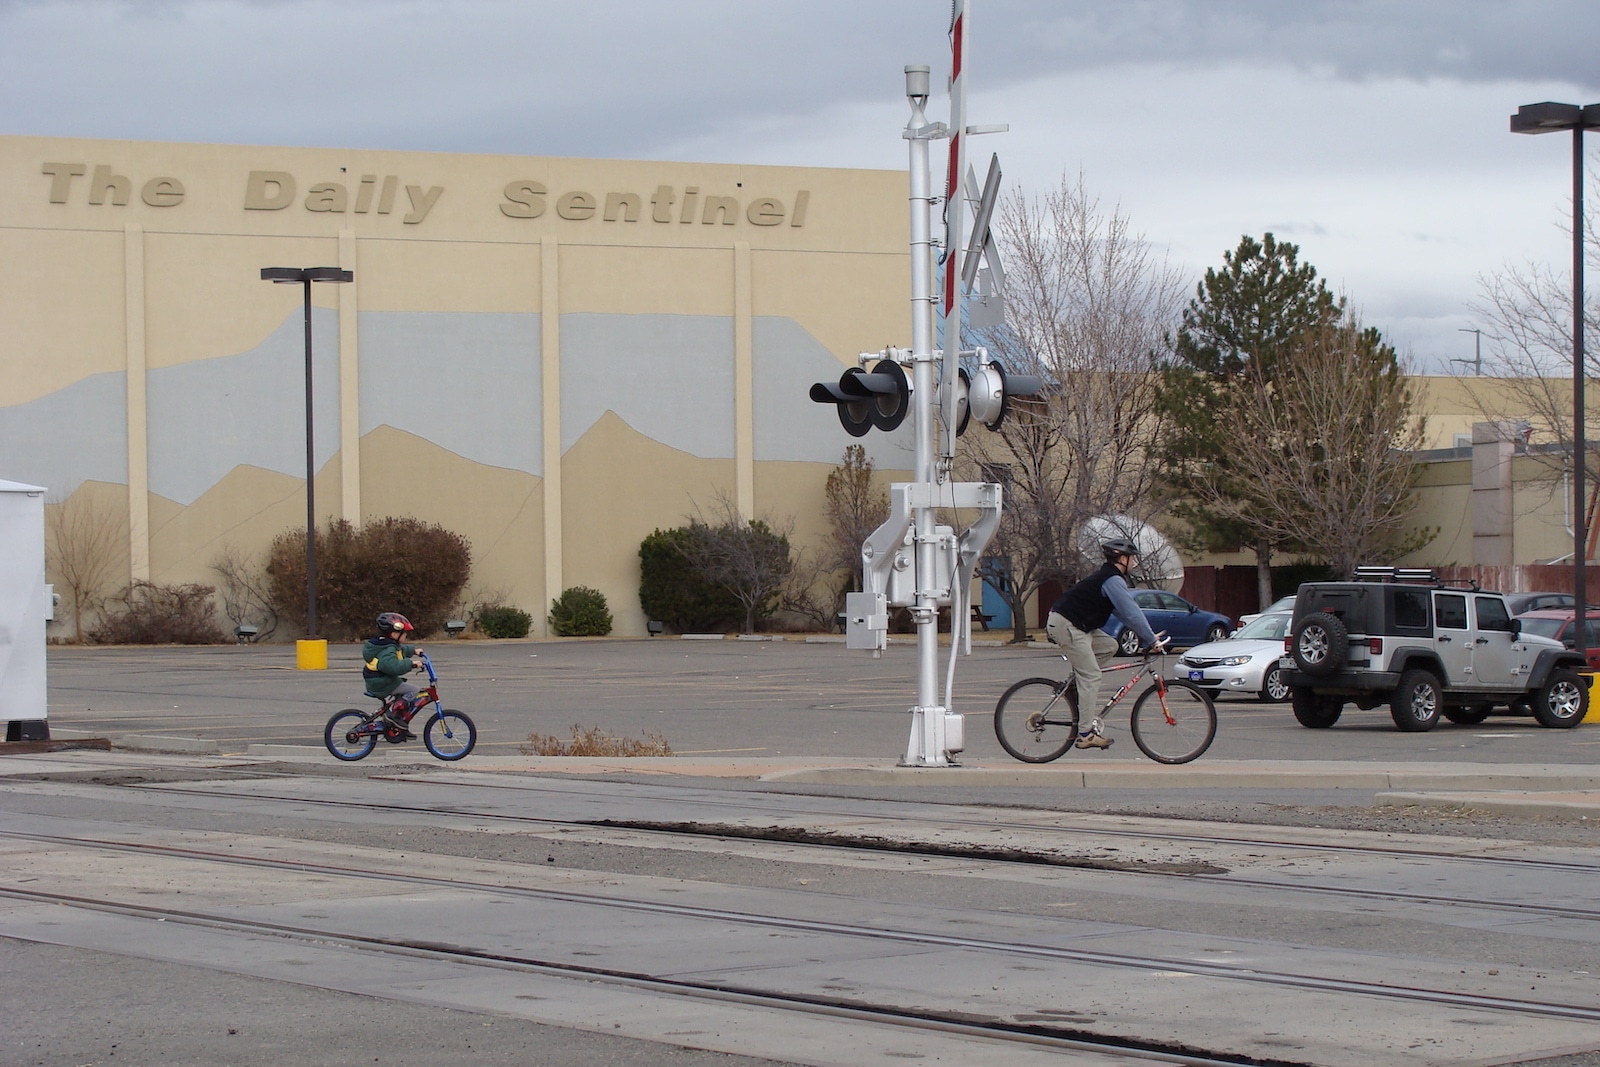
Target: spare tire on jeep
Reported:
point(1320, 644)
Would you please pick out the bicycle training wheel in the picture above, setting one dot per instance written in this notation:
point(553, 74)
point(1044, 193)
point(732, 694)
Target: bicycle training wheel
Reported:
point(1036, 721)
point(1177, 729)
point(449, 735)
point(342, 740)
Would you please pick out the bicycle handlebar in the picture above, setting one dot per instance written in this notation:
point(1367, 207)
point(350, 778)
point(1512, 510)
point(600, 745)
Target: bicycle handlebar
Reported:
point(428, 666)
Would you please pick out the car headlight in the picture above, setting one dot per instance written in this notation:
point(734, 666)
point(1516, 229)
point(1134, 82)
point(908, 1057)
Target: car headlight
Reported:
point(1233, 661)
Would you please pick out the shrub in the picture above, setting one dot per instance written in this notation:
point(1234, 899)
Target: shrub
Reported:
point(150, 614)
point(673, 591)
point(580, 612)
point(503, 621)
point(390, 564)
point(595, 742)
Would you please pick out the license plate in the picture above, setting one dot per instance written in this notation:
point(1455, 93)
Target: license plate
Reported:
point(1197, 676)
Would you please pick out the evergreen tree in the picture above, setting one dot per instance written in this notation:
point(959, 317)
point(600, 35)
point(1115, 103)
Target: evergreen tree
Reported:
point(1243, 321)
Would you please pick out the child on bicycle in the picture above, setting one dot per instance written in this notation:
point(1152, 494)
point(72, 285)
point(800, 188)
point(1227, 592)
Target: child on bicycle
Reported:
point(386, 660)
point(1075, 622)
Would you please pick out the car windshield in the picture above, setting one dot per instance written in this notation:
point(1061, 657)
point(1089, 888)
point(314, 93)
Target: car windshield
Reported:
point(1264, 628)
point(1543, 627)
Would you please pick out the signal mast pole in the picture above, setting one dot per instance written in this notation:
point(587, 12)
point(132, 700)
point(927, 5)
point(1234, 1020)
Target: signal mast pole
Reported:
point(928, 744)
point(936, 731)
point(912, 560)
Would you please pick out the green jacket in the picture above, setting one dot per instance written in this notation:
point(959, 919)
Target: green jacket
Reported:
point(384, 661)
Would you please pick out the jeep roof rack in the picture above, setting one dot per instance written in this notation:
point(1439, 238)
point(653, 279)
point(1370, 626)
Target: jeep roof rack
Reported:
point(1409, 574)
point(1396, 574)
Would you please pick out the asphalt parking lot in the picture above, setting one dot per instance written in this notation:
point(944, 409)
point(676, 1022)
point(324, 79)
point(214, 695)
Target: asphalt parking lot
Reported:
point(734, 698)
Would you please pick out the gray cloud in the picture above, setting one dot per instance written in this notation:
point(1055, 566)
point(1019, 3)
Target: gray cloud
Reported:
point(1471, 40)
point(621, 78)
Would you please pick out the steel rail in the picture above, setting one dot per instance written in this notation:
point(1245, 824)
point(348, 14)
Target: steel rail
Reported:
point(1079, 956)
point(959, 1023)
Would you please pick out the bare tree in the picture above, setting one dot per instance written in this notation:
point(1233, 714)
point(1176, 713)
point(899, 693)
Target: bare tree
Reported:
point(85, 542)
point(749, 558)
point(1090, 307)
point(1526, 312)
point(245, 592)
point(855, 507)
point(1332, 430)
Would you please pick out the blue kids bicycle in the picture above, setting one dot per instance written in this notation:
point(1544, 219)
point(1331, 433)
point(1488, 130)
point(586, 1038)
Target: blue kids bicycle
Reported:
point(352, 734)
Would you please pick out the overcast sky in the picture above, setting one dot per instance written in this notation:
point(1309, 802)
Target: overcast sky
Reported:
point(1373, 133)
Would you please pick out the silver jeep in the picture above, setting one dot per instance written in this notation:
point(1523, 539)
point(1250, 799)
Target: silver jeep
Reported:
point(1403, 638)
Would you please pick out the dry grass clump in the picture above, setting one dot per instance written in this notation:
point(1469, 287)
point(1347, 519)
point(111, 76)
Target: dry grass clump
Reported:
point(595, 742)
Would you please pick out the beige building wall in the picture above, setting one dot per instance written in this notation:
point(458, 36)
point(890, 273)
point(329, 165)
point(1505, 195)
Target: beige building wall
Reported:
point(552, 357)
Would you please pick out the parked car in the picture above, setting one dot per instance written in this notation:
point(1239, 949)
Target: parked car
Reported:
point(1247, 662)
point(1186, 624)
point(1523, 602)
point(1282, 604)
point(1557, 623)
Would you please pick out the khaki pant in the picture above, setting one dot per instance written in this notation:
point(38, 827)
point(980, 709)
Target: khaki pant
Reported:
point(1086, 652)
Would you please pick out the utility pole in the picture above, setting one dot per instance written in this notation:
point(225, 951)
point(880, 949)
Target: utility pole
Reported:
point(1477, 352)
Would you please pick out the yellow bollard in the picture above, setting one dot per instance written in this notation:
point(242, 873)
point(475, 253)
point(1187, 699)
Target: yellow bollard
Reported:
point(311, 655)
point(1594, 712)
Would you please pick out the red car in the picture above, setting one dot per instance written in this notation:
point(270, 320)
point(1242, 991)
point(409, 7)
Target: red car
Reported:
point(1557, 623)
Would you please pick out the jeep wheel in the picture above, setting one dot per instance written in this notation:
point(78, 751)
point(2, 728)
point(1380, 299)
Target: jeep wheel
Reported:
point(1273, 687)
point(1471, 716)
point(1128, 642)
point(1416, 705)
point(1321, 644)
point(1312, 711)
point(1563, 701)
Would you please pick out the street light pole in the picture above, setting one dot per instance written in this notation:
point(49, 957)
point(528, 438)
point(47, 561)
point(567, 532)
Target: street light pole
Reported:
point(305, 276)
point(1548, 118)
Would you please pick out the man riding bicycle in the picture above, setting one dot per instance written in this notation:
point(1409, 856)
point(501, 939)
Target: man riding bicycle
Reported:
point(1075, 623)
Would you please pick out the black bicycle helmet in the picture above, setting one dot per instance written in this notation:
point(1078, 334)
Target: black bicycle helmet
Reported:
point(1120, 547)
point(390, 621)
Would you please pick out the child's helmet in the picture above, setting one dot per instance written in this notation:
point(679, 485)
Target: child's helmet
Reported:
point(391, 621)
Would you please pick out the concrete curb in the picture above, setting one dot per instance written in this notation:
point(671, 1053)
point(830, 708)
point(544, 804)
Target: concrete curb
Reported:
point(1138, 774)
point(1580, 806)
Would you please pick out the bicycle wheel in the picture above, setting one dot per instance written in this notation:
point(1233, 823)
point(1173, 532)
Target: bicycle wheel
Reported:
point(341, 738)
point(1036, 721)
point(449, 735)
point(1177, 728)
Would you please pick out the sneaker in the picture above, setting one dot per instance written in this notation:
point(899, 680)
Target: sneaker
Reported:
point(1094, 739)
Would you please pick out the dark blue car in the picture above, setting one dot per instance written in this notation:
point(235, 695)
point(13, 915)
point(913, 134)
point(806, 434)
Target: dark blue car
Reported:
point(1186, 624)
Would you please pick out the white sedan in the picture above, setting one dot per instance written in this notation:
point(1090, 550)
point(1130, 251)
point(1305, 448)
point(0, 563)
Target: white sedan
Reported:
point(1245, 663)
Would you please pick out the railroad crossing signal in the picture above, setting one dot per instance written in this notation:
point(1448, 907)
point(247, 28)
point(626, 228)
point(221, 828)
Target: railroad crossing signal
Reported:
point(881, 398)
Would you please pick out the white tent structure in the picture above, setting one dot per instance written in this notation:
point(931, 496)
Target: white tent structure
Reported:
point(22, 612)
point(1159, 565)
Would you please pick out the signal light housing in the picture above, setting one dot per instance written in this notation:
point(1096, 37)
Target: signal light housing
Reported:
point(878, 398)
point(989, 392)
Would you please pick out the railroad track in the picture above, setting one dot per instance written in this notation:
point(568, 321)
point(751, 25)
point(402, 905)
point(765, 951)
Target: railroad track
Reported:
point(1427, 988)
point(1028, 1030)
point(785, 832)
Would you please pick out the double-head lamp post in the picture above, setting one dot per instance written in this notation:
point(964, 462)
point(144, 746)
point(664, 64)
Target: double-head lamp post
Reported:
point(1552, 118)
point(305, 276)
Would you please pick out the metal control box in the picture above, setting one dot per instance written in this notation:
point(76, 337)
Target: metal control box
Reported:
point(866, 621)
